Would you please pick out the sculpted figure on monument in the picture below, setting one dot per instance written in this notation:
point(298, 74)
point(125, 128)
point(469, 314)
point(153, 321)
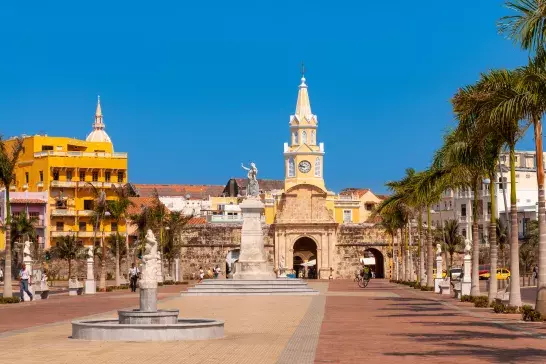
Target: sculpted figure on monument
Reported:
point(26, 249)
point(467, 247)
point(252, 188)
point(150, 257)
point(90, 253)
point(438, 250)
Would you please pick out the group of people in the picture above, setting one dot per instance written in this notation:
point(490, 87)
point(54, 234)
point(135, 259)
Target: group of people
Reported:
point(211, 273)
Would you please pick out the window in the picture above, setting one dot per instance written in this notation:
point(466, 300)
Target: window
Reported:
point(463, 210)
point(69, 175)
point(26, 177)
point(303, 137)
point(121, 175)
point(295, 137)
point(95, 176)
point(55, 175)
point(47, 147)
point(88, 204)
point(41, 176)
point(369, 206)
point(527, 175)
point(107, 176)
point(450, 205)
point(59, 226)
point(347, 216)
point(291, 167)
point(114, 226)
point(489, 208)
point(464, 233)
point(317, 167)
point(34, 215)
point(82, 226)
point(313, 137)
point(82, 176)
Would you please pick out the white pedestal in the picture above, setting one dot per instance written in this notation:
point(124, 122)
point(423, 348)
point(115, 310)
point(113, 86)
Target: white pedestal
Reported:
point(177, 269)
point(467, 272)
point(90, 286)
point(439, 274)
point(252, 262)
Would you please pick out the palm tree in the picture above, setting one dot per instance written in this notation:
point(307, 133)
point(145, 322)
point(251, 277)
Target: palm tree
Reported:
point(118, 211)
point(452, 240)
point(68, 248)
point(8, 162)
point(528, 28)
point(100, 212)
point(502, 239)
point(116, 246)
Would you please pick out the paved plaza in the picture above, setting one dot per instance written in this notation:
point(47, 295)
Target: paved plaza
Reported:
point(384, 323)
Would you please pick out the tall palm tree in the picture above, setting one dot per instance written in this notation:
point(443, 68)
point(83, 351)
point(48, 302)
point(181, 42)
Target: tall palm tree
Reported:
point(100, 212)
point(452, 240)
point(8, 162)
point(527, 27)
point(68, 248)
point(118, 211)
point(502, 239)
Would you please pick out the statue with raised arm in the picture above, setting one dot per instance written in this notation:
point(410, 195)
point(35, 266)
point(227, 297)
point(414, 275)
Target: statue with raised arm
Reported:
point(252, 188)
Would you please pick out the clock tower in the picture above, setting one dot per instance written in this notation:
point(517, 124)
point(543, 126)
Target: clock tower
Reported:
point(303, 156)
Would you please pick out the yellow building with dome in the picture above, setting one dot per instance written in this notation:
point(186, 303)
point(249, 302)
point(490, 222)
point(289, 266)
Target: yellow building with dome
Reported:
point(70, 170)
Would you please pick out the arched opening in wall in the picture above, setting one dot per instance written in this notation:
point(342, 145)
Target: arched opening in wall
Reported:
point(231, 258)
point(305, 258)
point(374, 259)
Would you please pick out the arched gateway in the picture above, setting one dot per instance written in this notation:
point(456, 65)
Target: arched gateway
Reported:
point(305, 257)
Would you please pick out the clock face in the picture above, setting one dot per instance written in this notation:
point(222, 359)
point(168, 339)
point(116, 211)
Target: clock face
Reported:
point(304, 166)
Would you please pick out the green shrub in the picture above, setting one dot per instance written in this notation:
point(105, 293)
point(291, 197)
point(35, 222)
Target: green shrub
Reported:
point(168, 283)
point(481, 301)
point(466, 298)
point(498, 307)
point(159, 284)
point(6, 300)
point(511, 309)
point(109, 289)
point(428, 289)
point(530, 314)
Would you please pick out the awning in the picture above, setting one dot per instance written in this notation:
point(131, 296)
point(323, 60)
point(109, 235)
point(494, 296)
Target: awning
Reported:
point(310, 263)
point(367, 261)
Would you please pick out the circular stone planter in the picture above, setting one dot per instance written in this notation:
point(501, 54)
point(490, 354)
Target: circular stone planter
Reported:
point(112, 330)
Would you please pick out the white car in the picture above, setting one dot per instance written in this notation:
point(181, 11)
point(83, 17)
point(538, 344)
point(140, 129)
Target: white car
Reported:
point(456, 273)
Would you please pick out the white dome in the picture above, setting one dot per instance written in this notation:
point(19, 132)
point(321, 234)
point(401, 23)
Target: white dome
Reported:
point(98, 135)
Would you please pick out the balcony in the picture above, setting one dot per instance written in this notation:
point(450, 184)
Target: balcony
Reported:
point(40, 184)
point(25, 186)
point(63, 212)
point(85, 213)
point(86, 234)
point(51, 153)
point(64, 184)
point(225, 218)
point(463, 219)
point(58, 234)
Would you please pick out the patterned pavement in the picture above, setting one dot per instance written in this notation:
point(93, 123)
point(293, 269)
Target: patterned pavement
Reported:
point(383, 323)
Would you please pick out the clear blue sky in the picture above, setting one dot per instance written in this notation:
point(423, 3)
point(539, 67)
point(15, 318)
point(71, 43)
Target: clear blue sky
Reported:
point(190, 89)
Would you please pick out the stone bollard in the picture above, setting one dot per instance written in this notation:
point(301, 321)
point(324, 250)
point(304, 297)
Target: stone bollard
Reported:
point(466, 283)
point(90, 284)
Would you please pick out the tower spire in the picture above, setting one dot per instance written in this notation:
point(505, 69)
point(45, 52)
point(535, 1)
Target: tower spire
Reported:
point(98, 124)
point(303, 105)
point(98, 134)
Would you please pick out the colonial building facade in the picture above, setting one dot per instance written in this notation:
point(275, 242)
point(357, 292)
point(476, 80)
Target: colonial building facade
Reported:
point(305, 224)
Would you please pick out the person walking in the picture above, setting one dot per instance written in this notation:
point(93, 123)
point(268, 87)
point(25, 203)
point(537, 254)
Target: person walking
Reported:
point(133, 276)
point(216, 272)
point(1, 275)
point(24, 276)
point(201, 274)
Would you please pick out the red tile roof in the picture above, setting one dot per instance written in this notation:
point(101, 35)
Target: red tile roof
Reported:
point(195, 191)
point(358, 191)
point(382, 197)
point(138, 203)
point(199, 220)
point(27, 201)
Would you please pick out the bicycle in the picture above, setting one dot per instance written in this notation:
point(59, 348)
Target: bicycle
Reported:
point(363, 281)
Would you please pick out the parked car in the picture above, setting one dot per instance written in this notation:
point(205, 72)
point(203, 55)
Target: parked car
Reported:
point(502, 274)
point(484, 271)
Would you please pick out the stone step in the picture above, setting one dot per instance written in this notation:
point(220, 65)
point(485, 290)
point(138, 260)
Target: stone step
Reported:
point(254, 281)
point(239, 286)
point(248, 288)
point(243, 292)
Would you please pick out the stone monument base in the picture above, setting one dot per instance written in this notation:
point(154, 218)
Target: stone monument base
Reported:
point(148, 300)
point(90, 286)
point(253, 270)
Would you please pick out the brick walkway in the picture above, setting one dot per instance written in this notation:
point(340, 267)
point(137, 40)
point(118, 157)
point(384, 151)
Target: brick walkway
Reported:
point(417, 327)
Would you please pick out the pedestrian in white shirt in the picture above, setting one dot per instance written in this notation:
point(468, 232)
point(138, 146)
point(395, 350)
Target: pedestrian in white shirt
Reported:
point(1, 275)
point(133, 276)
point(24, 275)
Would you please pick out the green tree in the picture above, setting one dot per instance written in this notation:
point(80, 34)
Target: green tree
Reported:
point(118, 212)
point(175, 223)
point(23, 229)
point(100, 212)
point(452, 240)
point(68, 248)
point(502, 240)
point(8, 162)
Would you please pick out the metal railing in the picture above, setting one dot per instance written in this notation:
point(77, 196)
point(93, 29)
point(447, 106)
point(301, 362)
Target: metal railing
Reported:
point(52, 153)
point(63, 184)
point(63, 212)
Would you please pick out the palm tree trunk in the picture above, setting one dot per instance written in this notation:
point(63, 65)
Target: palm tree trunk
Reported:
point(541, 284)
point(506, 214)
point(102, 283)
point(422, 279)
point(430, 254)
point(8, 291)
point(118, 278)
point(493, 283)
point(475, 284)
point(69, 268)
point(515, 292)
point(406, 248)
point(402, 254)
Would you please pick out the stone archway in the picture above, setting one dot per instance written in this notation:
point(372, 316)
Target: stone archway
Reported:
point(305, 251)
point(379, 266)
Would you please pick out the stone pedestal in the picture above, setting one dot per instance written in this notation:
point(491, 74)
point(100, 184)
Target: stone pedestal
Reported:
point(439, 272)
point(252, 262)
point(467, 273)
point(90, 284)
point(177, 269)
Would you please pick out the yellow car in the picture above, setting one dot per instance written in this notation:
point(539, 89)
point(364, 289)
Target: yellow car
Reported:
point(444, 273)
point(502, 274)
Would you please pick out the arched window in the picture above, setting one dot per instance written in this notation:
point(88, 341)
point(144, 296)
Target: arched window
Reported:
point(291, 167)
point(303, 137)
point(317, 167)
point(313, 137)
point(295, 137)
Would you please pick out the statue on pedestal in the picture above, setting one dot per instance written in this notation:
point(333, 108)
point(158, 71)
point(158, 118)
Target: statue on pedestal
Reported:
point(26, 251)
point(90, 254)
point(150, 258)
point(467, 248)
point(252, 188)
point(438, 250)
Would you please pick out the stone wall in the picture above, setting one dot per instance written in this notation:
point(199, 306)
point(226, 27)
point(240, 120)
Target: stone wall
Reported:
point(208, 245)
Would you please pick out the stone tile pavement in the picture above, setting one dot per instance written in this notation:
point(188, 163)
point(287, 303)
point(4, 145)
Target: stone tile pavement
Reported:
point(383, 323)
